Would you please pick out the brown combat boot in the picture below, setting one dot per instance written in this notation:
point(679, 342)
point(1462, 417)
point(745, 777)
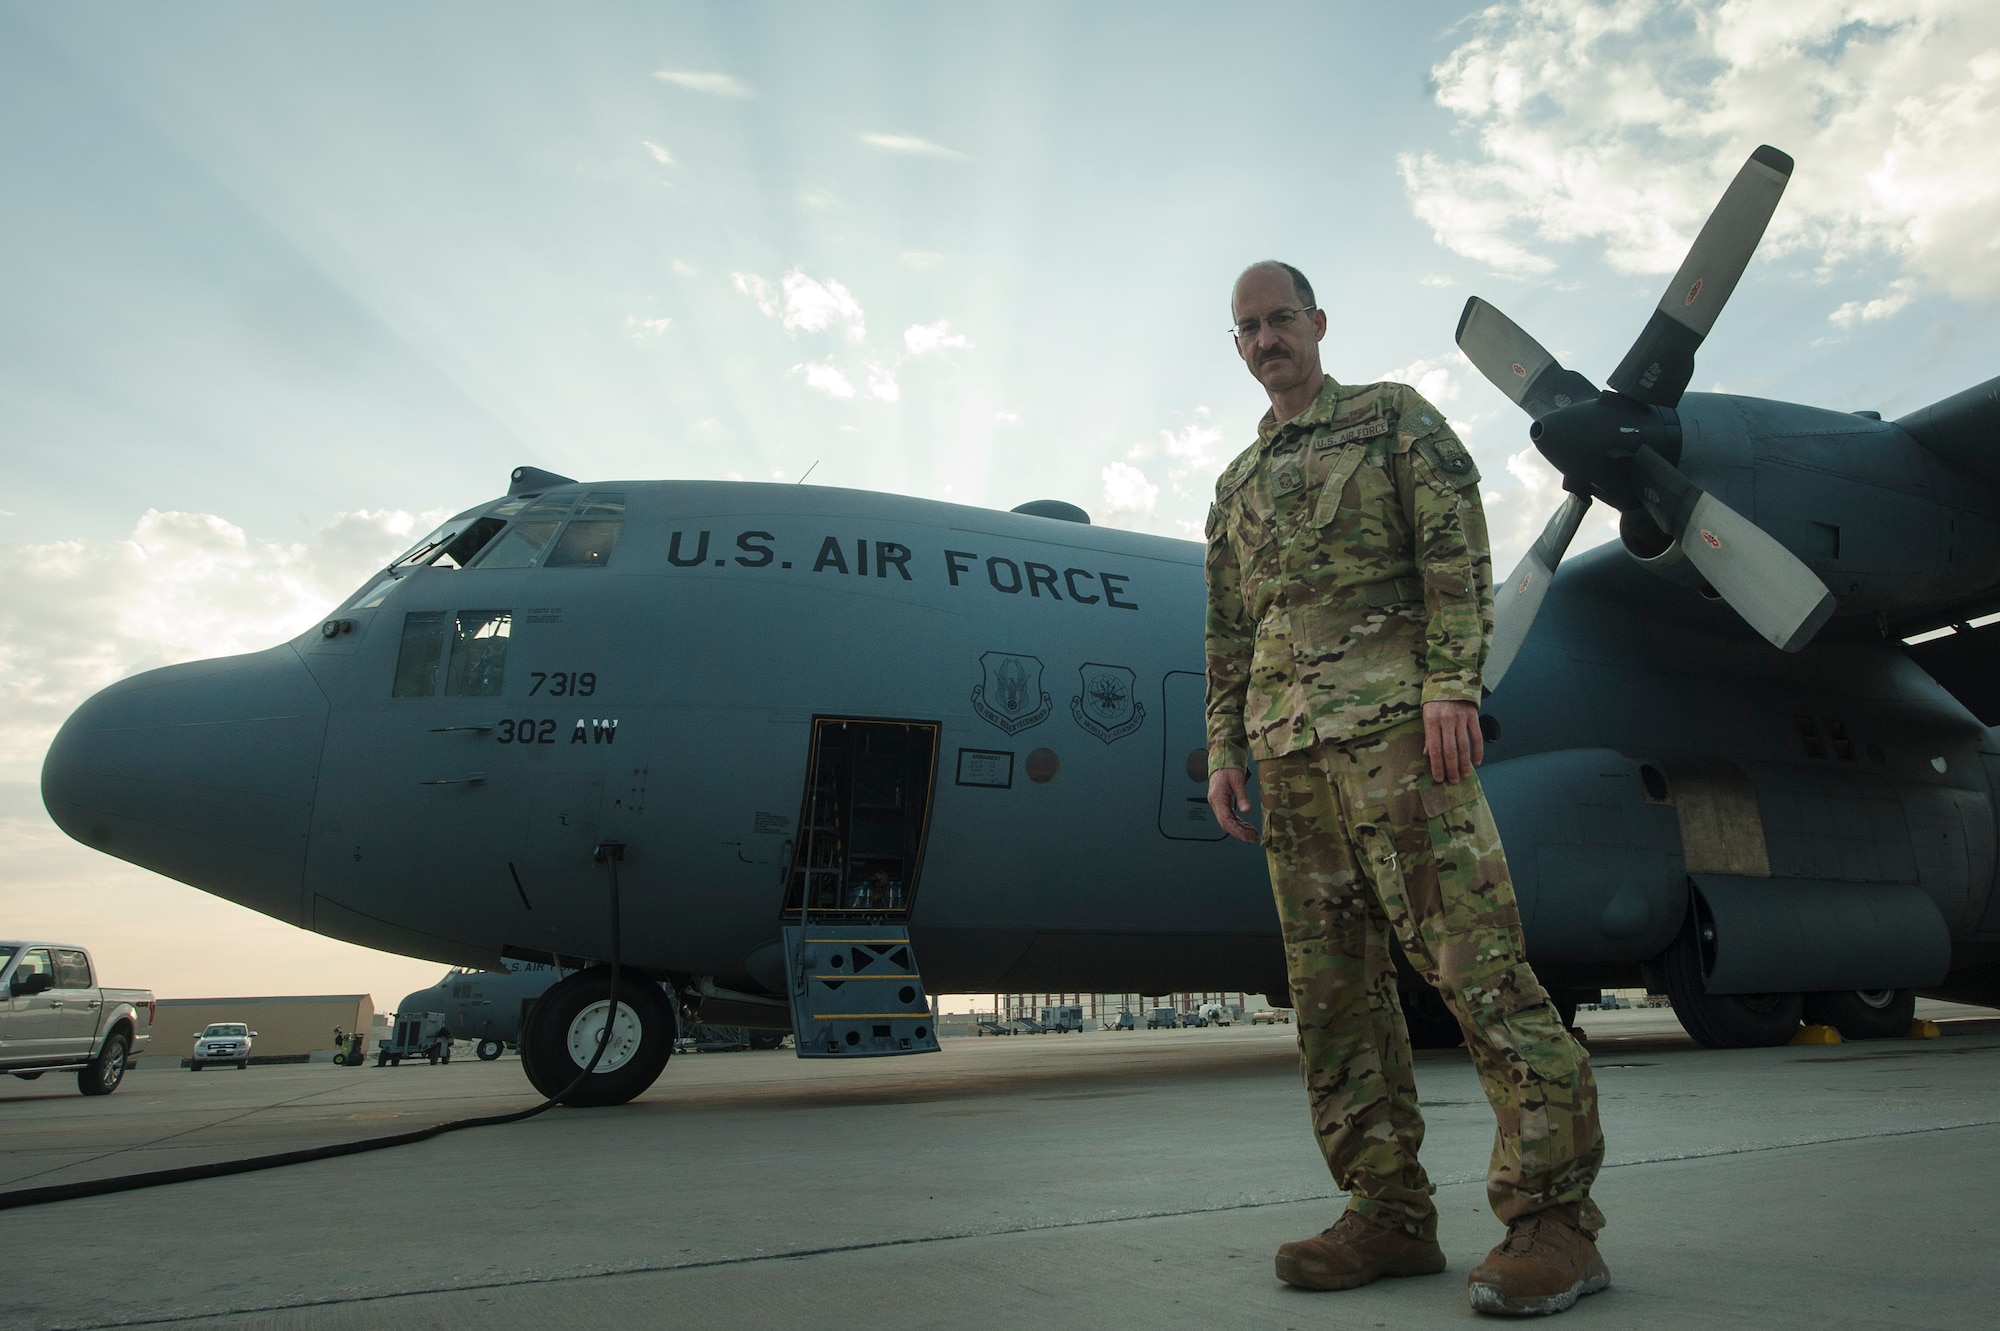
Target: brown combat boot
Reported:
point(1545, 1265)
point(1355, 1250)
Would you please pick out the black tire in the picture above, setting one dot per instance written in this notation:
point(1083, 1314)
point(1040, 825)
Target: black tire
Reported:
point(194, 1066)
point(1428, 1020)
point(381, 1060)
point(1723, 1021)
point(767, 1039)
point(553, 1052)
point(1878, 1014)
point(489, 1050)
point(103, 1073)
point(243, 1065)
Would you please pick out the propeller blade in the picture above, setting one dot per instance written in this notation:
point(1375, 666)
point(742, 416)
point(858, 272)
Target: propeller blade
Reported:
point(1515, 363)
point(1516, 604)
point(1763, 581)
point(1657, 368)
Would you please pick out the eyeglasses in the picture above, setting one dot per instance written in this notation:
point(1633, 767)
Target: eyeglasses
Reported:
point(1246, 329)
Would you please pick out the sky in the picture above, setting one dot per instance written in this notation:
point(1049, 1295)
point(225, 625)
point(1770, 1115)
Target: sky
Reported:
point(284, 283)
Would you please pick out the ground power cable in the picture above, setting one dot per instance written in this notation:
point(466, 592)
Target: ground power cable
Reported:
point(607, 853)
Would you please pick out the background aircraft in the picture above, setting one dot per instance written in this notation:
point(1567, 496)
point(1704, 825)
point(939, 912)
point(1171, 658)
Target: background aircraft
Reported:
point(970, 743)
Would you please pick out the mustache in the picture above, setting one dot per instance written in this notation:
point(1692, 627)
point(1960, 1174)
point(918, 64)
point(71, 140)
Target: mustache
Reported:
point(1275, 353)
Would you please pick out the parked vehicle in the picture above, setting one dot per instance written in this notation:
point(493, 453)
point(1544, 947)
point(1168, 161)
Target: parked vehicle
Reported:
point(1124, 1021)
point(1218, 1014)
point(415, 1035)
point(54, 1018)
point(1162, 1016)
point(351, 1051)
point(222, 1042)
point(1066, 1018)
point(1271, 1016)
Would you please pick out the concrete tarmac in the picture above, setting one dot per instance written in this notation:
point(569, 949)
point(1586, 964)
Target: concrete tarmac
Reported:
point(1104, 1180)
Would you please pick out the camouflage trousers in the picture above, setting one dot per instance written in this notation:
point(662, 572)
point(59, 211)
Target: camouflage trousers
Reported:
point(1363, 846)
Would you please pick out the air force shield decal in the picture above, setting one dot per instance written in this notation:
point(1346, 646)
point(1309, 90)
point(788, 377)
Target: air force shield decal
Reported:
point(1010, 696)
point(1106, 707)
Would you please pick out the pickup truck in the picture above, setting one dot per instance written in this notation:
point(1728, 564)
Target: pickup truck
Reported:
point(54, 1018)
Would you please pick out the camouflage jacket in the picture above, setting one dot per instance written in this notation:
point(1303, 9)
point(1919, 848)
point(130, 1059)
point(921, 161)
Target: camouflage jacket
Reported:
point(1349, 578)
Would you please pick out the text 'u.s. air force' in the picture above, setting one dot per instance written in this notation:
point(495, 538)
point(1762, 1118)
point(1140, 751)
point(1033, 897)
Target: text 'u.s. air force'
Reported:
point(864, 557)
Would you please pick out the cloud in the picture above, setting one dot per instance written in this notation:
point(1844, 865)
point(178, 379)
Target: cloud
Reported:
point(1436, 380)
point(925, 339)
point(819, 200)
point(76, 616)
point(1435, 280)
point(1891, 302)
point(922, 259)
point(660, 155)
point(1007, 417)
point(911, 145)
point(882, 382)
point(705, 81)
point(1127, 491)
point(683, 269)
point(805, 304)
point(645, 330)
point(1617, 126)
point(825, 377)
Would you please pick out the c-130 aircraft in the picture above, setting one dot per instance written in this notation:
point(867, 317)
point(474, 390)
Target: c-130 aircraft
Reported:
point(847, 748)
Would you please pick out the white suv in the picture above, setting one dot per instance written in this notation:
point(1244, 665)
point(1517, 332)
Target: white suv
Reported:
point(223, 1042)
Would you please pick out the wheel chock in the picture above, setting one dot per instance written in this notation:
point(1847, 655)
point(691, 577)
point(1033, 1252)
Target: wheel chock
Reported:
point(1922, 1030)
point(1815, 1035)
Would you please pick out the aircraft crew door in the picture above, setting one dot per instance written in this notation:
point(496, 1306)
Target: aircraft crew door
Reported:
point(1184, 811)
point(854, 986)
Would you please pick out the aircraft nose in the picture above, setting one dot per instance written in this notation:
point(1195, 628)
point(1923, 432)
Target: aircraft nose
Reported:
point(204, 772)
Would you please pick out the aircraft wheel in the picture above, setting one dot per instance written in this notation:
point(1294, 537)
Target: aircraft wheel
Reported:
point(1428, 1020)
point(1864, 1014)
point(567, 1024)
point(1724, 1021)
point(489, 1050)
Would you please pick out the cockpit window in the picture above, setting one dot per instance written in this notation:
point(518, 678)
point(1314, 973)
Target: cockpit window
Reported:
point(521, 546)
point(602, 504)
point(585, 545)
point(422, 650)
point(463, 548)
point(552, 505)
point(479, 653)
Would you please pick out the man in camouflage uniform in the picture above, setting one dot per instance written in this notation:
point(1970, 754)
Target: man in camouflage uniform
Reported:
point(1350, 606)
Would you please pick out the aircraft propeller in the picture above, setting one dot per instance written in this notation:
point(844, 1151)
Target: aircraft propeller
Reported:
point(1621, 444)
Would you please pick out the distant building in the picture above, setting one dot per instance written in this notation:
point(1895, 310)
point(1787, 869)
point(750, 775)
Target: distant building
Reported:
point(289, 1029)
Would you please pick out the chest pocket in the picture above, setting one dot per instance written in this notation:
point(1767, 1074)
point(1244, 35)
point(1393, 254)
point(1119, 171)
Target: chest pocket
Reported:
point(1351, 467)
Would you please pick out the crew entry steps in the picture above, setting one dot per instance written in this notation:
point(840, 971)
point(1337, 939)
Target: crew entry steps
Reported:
point(855, 991)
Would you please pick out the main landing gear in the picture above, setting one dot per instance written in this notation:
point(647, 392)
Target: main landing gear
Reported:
point(1742, 1021)
point(568, 1023)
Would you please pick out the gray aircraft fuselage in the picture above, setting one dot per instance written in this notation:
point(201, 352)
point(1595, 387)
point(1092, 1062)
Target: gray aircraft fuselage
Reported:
point(1067, 844)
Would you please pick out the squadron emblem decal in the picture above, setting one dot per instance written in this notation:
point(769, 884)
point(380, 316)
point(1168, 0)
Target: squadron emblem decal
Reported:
point(1107, 707)
point(1010, 696)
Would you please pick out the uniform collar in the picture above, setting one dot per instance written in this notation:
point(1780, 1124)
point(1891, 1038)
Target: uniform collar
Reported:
point(1270, 430)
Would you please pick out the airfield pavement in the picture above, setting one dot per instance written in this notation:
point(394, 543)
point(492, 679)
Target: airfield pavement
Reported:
point(1102, 1180)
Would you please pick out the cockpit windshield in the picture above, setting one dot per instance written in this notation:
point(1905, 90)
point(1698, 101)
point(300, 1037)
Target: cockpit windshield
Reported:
point(519, 531)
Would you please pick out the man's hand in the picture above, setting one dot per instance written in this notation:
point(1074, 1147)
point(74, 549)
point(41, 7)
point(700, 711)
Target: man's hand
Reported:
point(1451, 738)
point(1228, 798)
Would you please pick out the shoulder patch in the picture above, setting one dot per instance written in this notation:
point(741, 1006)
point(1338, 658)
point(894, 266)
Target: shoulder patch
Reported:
point(1454, 465)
